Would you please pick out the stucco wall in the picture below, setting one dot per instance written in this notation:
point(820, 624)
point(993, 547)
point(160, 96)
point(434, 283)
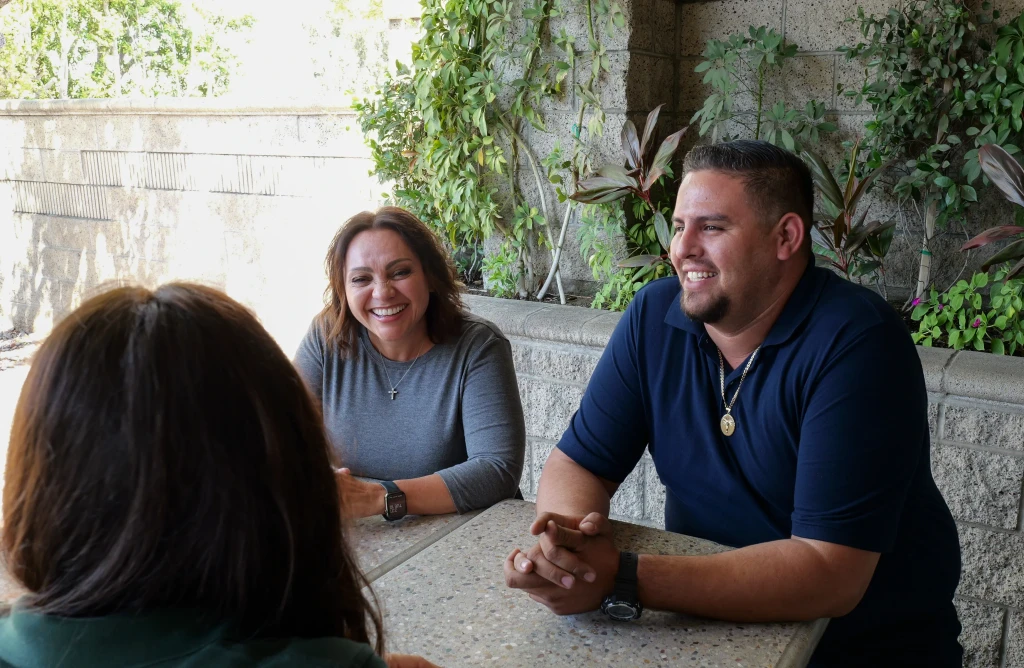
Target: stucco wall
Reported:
point(976, 411)
point(246, 199)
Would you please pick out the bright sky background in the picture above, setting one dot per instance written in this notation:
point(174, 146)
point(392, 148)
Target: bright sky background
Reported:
point(275, 64)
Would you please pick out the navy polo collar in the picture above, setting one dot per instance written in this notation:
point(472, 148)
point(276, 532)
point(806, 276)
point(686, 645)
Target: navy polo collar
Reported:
point(796, 311)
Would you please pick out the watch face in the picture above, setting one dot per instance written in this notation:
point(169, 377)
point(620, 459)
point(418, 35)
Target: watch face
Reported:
point(620, 611)
point(396, 507)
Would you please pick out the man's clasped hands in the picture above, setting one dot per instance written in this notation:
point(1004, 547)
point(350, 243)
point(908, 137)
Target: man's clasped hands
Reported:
point(571, 568)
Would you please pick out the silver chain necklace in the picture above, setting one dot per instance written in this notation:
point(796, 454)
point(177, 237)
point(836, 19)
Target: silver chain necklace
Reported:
point(394, 386)
point(728, 422)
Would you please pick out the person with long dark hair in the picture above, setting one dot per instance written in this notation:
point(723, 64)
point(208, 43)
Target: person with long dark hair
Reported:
point(416, 392)
point(169, 498)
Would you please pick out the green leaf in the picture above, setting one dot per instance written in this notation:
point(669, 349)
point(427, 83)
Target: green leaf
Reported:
point(663, 157)
point(662, 230)
point(997, 347)
point(639, 261)
point(1013, 251)
point(823, 179)
point(652, 121)
point(630, 144)
point(1004, 171)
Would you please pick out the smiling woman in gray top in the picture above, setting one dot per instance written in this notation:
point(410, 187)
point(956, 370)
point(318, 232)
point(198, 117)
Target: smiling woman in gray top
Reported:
point(414, 390)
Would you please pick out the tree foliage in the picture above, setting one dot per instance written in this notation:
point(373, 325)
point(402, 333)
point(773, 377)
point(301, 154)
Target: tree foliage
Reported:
point(111, 48)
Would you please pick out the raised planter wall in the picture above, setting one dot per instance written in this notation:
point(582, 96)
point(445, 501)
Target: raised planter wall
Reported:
point(976, 411)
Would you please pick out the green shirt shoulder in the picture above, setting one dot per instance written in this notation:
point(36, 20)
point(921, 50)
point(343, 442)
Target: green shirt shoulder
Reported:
point(165, 638)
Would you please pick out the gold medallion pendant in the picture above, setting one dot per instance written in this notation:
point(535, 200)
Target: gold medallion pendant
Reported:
point(728, 425)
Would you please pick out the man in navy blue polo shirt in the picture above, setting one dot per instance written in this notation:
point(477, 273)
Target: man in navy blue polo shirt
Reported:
point(786, 413)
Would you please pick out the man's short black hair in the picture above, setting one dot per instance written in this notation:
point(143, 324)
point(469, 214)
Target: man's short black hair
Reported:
point(776, 180)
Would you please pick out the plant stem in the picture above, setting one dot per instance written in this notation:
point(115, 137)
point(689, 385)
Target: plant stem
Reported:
point(760, 100)
point(543, 200)
point(558, 251)
point(573, 168)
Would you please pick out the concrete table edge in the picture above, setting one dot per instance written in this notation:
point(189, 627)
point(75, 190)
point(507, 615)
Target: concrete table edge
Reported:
point(797, 653)
point(408, 553)
point(799, 650)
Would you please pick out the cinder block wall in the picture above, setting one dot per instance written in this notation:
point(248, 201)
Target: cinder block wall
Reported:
point(652, 61)
point(146, 191)
point(976, 413)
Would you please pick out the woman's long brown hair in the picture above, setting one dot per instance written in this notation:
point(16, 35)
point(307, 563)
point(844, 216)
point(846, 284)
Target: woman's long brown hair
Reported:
point(444, 312)
point(164, 452)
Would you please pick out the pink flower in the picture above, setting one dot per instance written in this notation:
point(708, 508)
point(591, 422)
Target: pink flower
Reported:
point(940, 307)
point(976, 323)
point(916, 301)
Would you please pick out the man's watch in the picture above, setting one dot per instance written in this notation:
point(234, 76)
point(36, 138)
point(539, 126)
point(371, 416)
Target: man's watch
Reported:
point(394, 501)
point(624, 604)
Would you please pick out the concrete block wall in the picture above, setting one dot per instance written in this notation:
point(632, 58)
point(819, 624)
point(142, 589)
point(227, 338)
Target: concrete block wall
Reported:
point(976, 412)
point(146, 191)
point(652, 60)
point(819, 28)
point(644, 61)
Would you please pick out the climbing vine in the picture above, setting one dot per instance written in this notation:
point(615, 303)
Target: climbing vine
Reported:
point(446, 129)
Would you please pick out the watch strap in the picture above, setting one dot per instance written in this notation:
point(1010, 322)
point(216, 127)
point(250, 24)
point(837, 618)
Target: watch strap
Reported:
point(390, 487)
point(626, 579)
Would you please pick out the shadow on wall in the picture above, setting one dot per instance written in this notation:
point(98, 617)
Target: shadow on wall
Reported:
point(146, 199)
point(70, 231)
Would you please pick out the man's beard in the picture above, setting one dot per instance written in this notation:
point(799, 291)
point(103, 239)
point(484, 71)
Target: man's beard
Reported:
point(708, 314)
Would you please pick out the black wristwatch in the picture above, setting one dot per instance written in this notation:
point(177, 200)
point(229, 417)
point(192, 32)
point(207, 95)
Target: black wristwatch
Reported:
point(394, 501)
point(624, 603)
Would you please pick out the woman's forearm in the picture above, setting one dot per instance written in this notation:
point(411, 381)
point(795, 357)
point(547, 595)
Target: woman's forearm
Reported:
point(426, 496)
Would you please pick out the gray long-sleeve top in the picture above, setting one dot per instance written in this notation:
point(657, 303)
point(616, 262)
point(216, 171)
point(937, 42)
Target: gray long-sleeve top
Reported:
point(457, 412)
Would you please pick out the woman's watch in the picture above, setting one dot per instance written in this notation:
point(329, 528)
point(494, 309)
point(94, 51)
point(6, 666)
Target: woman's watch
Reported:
point(624, 603)
point(394, 501)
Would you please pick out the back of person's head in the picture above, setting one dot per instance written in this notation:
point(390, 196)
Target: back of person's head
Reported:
point(165, 453)
point(776, 180)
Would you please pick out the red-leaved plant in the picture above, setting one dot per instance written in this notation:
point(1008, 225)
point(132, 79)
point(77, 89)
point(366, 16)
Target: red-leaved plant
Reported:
point(1006, 173)
point(614, 182)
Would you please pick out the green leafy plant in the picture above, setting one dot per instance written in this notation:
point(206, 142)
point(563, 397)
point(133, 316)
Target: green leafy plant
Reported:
point(1006, 173)
point(446, 130)
point(637, 184)
point(746, 65)
point(844, 238)
point(503, 271)
point(963, 317)
point(933, 83)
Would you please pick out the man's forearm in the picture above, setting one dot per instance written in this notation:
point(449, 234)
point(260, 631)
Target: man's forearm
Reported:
point(569, 489)
point(783, 580)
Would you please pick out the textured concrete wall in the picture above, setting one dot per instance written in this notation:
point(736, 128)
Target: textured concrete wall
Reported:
point(147, 191)
point(644, 61)
point(652, 62)
point(977, 417)
point(819, 28)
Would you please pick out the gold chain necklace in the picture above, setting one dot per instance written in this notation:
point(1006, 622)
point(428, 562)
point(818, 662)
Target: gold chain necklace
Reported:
point(728, 422)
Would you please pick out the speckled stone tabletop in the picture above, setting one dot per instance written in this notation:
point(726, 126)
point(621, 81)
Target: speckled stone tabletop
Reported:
point(381, 545)
point(449, 603)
